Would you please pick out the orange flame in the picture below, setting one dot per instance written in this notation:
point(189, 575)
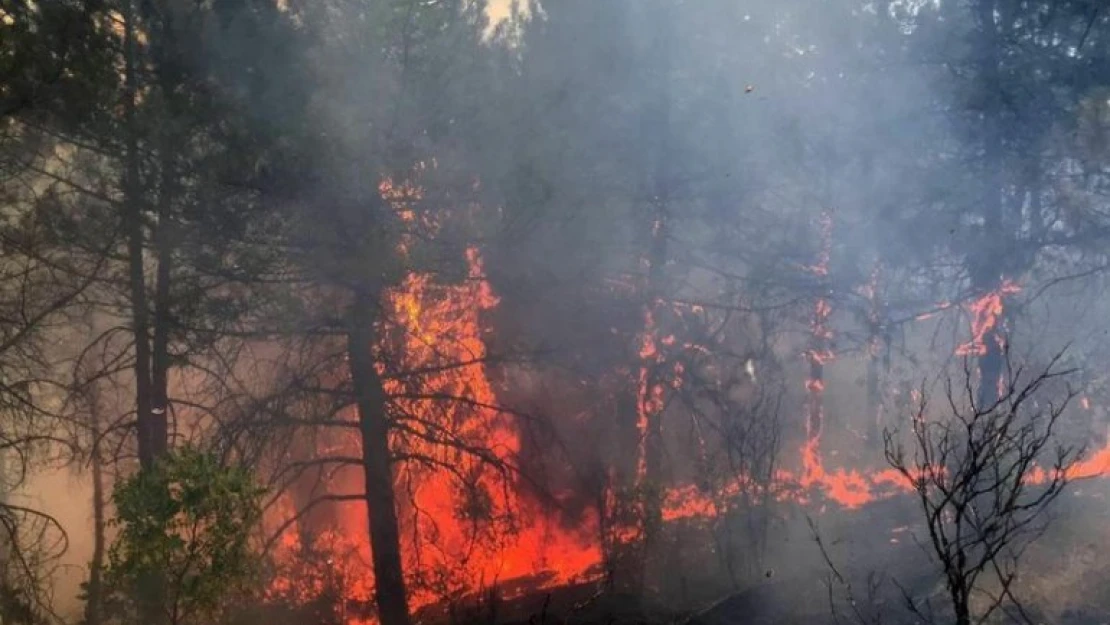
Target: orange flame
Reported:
point(985, 313)
point(819, 353)
point(465, 523)
point(651, 391)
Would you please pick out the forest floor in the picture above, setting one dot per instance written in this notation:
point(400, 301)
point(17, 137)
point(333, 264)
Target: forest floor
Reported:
point(1065, 580)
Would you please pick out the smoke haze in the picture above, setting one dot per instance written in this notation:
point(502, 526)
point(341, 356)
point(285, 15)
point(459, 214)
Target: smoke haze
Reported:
point(619, 295)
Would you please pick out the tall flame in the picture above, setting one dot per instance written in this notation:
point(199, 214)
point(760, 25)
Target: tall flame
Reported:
point(467, 521)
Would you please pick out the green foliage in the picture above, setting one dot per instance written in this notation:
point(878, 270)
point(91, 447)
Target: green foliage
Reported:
point(14, 607)
point(184, 536)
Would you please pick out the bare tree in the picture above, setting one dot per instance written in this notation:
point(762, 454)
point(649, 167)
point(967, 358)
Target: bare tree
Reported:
point(985, 476)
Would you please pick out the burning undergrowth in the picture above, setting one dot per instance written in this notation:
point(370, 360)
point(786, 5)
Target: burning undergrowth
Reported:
point(666, 464)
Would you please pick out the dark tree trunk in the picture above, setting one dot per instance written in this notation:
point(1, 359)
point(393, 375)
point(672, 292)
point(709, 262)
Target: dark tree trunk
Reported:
point(820, 345)
point(167, 63)
point(816, 406)
point(5, 537)
point(623, 564)
point(150, 591)
point(658, 122)
point(95, 590)
point(133, 219)
point(874, 406)
point(370, 396)
point(990, 366)
point(163, 237)
point(960, 604)
point(986, 262)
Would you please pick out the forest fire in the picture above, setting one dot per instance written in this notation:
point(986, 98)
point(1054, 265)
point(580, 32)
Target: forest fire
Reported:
point(423, 313)
point(466, 524)
point(469, 523)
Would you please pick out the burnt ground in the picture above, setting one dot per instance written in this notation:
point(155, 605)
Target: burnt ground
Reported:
point(579, 604)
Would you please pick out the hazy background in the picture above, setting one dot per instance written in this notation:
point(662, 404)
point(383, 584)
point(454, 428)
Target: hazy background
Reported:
point(709, 177)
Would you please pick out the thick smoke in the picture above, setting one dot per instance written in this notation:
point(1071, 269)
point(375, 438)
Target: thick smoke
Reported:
point(747, 123)
point(732, 244)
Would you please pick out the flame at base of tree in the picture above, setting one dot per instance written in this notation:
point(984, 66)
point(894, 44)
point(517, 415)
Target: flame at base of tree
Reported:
point(467, 521)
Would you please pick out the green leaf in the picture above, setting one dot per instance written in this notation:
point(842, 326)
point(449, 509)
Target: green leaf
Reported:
point(185, 523)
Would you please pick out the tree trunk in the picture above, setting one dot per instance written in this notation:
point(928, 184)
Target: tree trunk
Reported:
point(960, 604)
point(990, 366)
point(986, 266)
point(160, 405)
point(150, 591)
point(820, 346)
point(815, 410)
point(385, 541)
point(5, 537)
point(874, 405)
point(652, 398)
point(167, 61)
point(133, 218)
point(95, 590)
